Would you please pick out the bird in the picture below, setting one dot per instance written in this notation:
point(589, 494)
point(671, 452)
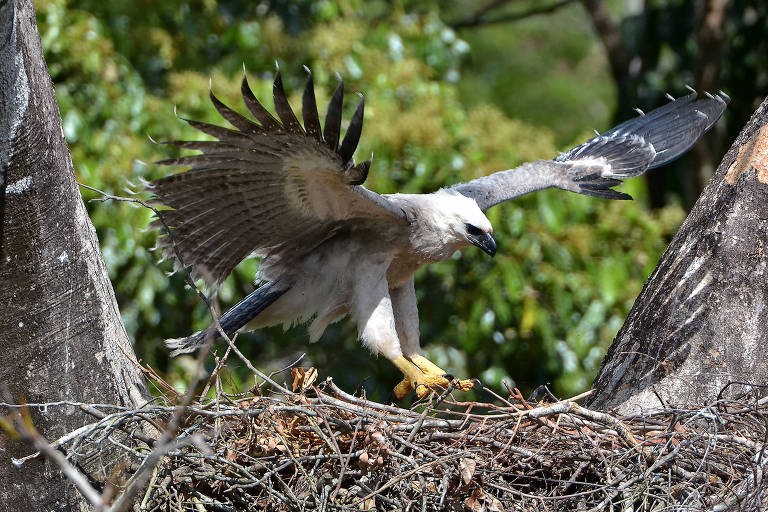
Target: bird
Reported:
point(290, 193)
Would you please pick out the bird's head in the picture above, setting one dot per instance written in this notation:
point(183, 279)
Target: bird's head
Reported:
point(463, 222)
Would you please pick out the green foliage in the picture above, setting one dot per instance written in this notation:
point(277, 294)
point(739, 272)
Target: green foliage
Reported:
point(549, 71)
point(568, 267)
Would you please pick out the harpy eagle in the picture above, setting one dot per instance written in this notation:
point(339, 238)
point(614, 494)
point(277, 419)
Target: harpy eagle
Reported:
point(291, 194)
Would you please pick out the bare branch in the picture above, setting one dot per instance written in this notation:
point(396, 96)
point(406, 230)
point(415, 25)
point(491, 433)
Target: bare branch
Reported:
point(610, 35)
point(21, 421)
point(482, 17)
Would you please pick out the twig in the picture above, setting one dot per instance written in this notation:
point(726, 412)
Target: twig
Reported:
point(481, 18)
point(23, 425)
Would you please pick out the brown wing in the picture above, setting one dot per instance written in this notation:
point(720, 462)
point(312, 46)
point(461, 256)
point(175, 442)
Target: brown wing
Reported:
point(266, 188)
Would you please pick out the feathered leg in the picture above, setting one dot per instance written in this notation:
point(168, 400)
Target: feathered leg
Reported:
point(420, 373)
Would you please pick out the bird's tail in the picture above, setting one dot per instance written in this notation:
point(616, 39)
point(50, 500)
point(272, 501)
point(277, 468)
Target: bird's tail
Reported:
point(645, 142)
point(191, 343)
point(233, 320)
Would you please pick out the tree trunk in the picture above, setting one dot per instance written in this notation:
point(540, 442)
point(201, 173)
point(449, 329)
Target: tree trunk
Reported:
point(699, 323)
point(60, 329)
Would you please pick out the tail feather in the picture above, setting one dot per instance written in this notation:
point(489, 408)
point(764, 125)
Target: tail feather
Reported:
point(179, 346)
point(233, 320)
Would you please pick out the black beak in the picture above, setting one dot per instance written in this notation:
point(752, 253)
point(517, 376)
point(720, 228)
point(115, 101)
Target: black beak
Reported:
point(484, 241)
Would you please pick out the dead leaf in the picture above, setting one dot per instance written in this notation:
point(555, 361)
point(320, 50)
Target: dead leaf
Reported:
point(480, 501)
point(467, 469)
point(493, 504)
point(474, 503)
point(303, 378)
point(378, 438)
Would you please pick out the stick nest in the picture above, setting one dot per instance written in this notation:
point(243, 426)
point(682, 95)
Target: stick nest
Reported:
point(320, 448)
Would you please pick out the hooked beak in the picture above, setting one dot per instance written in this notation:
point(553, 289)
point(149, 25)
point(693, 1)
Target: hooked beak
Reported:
point(485, 242)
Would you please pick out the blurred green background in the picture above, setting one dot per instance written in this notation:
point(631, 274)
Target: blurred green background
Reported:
point(454, 90)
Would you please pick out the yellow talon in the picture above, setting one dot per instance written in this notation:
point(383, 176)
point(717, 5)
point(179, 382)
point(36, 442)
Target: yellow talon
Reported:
point(423, 376)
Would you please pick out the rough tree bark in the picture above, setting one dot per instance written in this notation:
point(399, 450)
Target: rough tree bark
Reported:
point(60, 329)
point(699, 323)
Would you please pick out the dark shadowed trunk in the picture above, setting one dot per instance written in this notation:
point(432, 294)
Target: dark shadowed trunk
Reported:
point(60, 330)
point(700, 322)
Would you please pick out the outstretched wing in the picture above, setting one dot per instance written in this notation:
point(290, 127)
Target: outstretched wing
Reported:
point(268, 188)
point(593, 168)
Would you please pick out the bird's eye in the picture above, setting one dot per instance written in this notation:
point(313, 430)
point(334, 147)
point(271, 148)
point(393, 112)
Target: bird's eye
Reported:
point(474, 230)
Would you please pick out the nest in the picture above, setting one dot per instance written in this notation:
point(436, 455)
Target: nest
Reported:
point(317, 447)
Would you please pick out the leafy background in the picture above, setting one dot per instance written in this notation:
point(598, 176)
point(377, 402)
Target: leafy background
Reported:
point(449, 96)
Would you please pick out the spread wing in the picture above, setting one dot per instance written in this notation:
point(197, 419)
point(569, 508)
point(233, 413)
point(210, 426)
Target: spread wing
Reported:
point(271, 187)
point(593, 168)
